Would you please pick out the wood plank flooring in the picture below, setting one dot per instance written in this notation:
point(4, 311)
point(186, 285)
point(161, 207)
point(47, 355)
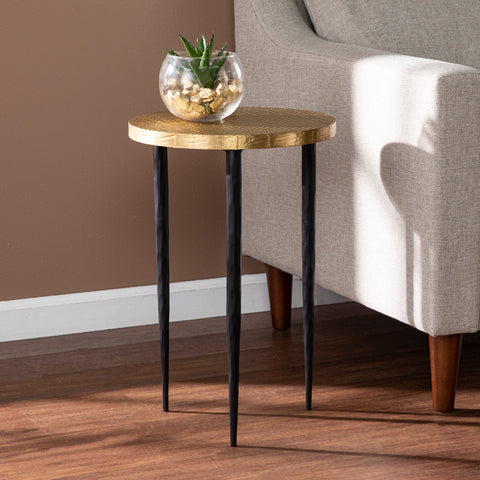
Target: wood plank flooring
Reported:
point(89, 406)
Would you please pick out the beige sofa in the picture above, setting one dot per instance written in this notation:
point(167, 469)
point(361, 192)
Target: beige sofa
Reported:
point(398, 201)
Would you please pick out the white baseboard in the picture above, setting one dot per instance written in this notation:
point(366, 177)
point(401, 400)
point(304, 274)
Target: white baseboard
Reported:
point(129, 307)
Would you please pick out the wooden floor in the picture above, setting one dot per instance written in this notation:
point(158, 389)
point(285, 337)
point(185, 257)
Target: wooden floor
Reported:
point(89, 406)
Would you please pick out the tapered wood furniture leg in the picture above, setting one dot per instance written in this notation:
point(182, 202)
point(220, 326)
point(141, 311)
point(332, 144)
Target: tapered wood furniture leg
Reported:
point(444, 361)
point(280, 294)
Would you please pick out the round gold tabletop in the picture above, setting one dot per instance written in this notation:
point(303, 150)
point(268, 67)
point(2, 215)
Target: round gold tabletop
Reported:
point(247, 128)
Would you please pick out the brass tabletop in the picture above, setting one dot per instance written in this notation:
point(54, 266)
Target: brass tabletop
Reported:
point(247, 128)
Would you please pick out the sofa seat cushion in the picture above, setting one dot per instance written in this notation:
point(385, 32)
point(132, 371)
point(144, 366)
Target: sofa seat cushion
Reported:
point(445, 30)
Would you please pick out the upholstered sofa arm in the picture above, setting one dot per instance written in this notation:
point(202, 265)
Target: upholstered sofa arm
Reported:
point(398, 203)
point(279, 29)
point(385, 96)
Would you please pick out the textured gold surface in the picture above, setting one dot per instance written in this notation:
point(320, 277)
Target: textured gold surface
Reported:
point(247, 128)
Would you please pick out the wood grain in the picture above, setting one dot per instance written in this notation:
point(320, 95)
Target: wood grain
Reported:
point(280, 296)
point(89, 406)
point(444, 362)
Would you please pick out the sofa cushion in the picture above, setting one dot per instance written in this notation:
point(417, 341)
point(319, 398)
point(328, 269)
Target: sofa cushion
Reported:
point(445, 30)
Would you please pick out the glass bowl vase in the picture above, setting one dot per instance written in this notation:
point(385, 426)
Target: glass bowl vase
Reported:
point(202, 92)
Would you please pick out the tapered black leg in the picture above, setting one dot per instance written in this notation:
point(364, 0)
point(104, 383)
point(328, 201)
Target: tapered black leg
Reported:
point(160, 168)
point(234, 212)
point(308, 261)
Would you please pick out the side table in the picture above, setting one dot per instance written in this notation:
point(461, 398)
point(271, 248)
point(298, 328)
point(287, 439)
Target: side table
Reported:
point(248, 128)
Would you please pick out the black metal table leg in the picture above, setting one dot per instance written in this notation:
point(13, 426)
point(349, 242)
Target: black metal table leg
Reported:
point(234, 225)
point(308, 261)
point(160, 170)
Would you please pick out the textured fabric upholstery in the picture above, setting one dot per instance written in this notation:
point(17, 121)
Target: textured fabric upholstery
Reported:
point(398, 203)
point(445, 30)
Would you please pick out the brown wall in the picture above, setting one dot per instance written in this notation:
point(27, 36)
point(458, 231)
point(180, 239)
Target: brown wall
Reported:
point(76, 195)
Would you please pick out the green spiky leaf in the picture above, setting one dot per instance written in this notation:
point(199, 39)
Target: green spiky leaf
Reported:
point(210, 45)
point(220, 53)
point(188, 47)
point(206, 55)
point(199, 47)
point(201, 64)
point(203, 75)
point(217, 64)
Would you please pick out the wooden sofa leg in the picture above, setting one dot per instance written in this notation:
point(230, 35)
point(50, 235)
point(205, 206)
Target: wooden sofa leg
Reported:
point(280, 294)
point(444, 360)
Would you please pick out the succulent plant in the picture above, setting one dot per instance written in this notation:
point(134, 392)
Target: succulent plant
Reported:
point(204, 63)
point(201, 85)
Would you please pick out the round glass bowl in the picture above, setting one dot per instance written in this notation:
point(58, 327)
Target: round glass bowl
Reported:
point(202, 92)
